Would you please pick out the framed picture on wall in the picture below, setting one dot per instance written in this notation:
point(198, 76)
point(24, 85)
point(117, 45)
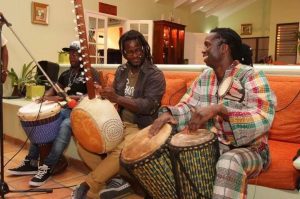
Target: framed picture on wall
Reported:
point(39, 13)
point(246, 29)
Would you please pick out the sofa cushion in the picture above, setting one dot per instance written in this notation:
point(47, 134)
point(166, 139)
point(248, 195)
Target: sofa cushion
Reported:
point(286, 124)
point(175, 89)
point(281, 174)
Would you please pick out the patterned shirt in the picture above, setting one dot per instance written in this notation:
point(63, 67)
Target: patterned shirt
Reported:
point(249, 119)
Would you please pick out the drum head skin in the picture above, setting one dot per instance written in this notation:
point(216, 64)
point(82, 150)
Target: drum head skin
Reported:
point(143, 146)
point(184, 139)
point(37, 111)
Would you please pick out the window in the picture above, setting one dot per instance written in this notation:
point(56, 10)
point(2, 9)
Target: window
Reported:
point(260, 47)
point(104, 32)
point(286, 42)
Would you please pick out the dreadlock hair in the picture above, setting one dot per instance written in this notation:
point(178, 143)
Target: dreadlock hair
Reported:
point(135, 35)
point(232, 39)
point(247, 55)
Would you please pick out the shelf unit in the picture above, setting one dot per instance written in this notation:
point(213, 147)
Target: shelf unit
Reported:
point(168, 42)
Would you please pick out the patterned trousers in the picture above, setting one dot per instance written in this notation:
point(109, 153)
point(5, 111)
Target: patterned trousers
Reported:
point(233, 169)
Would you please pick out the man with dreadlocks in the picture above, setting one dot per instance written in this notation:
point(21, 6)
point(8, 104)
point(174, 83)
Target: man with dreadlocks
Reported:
point(137, 89)
point(241, 125)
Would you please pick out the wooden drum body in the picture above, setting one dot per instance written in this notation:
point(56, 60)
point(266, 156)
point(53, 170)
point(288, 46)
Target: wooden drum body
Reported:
point(148, 161)
point(194, 157)
point(96, 125)
point(40, 121)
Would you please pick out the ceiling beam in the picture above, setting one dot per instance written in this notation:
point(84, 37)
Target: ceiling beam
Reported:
point(219, 7)
point(178, 3)
point(199, 5)
point(233, 8)
point(211, 5)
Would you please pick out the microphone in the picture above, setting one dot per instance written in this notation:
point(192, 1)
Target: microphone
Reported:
point(2, 18)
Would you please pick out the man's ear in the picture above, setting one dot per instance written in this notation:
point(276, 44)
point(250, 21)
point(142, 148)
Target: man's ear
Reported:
point(225, 48)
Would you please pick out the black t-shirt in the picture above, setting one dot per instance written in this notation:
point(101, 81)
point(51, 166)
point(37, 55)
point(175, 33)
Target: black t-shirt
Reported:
point(73, 83)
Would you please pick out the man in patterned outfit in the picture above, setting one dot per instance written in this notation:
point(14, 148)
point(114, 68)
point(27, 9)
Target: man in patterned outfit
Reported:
point(240, 123)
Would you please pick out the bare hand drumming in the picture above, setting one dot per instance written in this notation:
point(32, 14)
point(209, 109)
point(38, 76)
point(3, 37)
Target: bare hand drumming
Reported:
point(160, 121)
point(201, 115)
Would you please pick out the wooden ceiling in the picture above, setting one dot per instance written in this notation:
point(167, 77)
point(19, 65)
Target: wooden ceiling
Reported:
point(219, 8)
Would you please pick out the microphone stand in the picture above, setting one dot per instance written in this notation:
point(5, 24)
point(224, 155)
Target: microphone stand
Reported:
point(4, 189)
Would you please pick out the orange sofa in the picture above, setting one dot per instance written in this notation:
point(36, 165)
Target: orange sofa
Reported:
point(284, 135)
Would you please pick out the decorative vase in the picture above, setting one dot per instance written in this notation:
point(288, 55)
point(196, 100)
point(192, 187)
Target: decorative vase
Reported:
point(34, 91)
point(63, 58)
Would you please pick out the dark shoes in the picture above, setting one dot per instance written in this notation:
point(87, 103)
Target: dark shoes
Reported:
point(116, 188)
point(80, 192)
point(41, 177)
point(26, 168)
point(42, 173)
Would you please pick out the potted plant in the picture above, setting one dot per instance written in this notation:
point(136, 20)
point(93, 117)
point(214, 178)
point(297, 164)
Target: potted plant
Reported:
point(27, 82)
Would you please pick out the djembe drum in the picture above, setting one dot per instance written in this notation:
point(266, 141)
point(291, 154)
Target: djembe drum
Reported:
point(148, 161)
point(41, 122)
point(194, 157)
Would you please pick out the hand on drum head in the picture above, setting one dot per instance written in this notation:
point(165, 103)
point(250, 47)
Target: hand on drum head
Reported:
point(200, 116)
point(160, 121)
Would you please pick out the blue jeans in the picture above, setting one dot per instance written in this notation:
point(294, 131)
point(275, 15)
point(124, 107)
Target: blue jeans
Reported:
point(59, 144)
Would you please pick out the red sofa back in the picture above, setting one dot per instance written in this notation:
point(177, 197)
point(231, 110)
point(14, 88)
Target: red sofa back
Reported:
point(286, 125)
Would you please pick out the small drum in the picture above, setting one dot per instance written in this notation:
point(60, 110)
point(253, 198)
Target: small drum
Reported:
point(40, 121)
point(231, 89)
point(194, 157)
point(148, 161)
point(96, 125)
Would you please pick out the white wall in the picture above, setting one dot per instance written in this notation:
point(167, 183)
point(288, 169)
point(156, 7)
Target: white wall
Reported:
point(193, 46)
point(43, 41)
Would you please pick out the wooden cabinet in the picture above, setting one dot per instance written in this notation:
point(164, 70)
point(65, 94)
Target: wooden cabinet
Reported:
point(168, 42)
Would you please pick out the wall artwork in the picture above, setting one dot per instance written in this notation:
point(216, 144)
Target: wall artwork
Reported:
point(246, 29)
point(40, 13)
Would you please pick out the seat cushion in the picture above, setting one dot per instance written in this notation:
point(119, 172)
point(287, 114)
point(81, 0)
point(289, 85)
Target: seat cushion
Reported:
point(286, 124)
point(281, 174)
point(175, 89)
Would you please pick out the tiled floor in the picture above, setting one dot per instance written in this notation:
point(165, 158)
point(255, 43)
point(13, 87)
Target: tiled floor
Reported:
point(62, 183)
